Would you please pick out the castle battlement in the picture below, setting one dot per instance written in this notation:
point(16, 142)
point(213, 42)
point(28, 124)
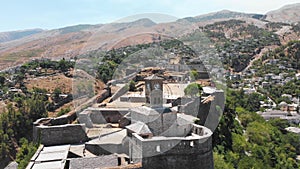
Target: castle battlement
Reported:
point(196, 146)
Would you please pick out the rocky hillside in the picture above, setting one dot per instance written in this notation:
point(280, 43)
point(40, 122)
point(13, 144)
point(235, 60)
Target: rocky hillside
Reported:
point(286, 14)
point(9, 36)
point(19, 47)
point(224, 14)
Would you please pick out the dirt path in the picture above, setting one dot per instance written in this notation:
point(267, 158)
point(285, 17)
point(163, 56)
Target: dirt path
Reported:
point(258, 56)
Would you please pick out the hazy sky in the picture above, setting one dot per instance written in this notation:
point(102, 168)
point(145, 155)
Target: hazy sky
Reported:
point(49, 14)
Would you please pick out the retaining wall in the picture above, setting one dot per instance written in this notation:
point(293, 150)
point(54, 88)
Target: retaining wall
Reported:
point(61, 134)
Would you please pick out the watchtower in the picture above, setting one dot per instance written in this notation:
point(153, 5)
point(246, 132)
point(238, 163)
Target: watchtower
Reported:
point(154, 90)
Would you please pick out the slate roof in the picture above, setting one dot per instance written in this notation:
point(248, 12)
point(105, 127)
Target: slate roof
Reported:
point(112, 138)
point(53, 153)
point(153, 77)
point(275, 112)
point(50, 157)
point(94, 162)
point(49, 165)
point(139, 128)
point(151, 110)
point(184, 119)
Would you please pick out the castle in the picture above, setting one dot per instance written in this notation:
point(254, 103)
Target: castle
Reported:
point(150, 128)
point(163, 138)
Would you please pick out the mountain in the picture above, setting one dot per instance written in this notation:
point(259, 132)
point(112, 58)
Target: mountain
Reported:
point(9, 36)
point(145, 22)
point(76, 28)
point(286, 14)
point(20, 46)
point(224, 14)
point(74, 40)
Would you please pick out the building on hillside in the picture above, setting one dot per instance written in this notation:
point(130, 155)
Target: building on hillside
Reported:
point(293, 130)
point(291, 117)
point(162, 138)
point(153, 127)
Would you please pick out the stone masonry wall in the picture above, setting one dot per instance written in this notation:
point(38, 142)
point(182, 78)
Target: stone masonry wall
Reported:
point(62, 134)
point(183, 155)
point(174, 152)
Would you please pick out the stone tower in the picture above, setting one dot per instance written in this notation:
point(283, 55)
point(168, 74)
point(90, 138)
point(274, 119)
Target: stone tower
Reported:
point(154, 90)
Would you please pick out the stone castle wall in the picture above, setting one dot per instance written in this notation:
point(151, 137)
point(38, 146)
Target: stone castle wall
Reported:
point(119, 93)
point(208, 113)
point(107, 116)
point(180, 161)
point(162, 123)
point(93, 116)
point(61, 134)
point(106, 149)
point(174, 153)
point(187, 154)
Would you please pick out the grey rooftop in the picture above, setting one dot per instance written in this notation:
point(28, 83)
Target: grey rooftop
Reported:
point(139, 128)
point(153, 77)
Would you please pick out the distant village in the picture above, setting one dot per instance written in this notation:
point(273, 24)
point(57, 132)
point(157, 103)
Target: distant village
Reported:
point(151, 120)
point(249, 82)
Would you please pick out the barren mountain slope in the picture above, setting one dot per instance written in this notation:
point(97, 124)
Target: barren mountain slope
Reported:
point(286, 14)
point(79, 39)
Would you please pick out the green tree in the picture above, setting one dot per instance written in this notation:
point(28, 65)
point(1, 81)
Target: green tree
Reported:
point(253, 104)
point(56, 93)
point(239, 143)
point(259, 133)
point(279, 124)
point(250, 163)
point(2, 79)
point(63, 111)
point(247, 117)
point(25, 153)
point(220, 163)
point(194, 74)
point(132, 85)
point(193, 89)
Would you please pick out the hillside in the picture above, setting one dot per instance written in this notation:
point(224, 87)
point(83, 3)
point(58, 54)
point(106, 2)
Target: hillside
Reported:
point(18, 47)
point(238, 42)
point(9, 36)
point(224, 14)
point(72, 41)
point(286, 14)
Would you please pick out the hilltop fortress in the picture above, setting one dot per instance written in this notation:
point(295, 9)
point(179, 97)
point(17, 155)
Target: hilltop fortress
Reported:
point(153, 125)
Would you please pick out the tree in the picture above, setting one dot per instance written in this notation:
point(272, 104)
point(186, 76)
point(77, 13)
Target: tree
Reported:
point(261, 133)
point(2, 79)
point(239, 143)
point(247, 117)
point(220, 163)
point(193, 90)
point(194, 74)
point(222, 136)
point(25, 153)
point(250, 162)
point(56, 93)
point(253, 104)
point(280, 124)
point(63, 111)
point(62, 65)
point(132, 85)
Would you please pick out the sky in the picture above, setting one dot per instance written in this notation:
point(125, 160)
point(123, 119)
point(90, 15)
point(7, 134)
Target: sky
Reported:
point(51, 14)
